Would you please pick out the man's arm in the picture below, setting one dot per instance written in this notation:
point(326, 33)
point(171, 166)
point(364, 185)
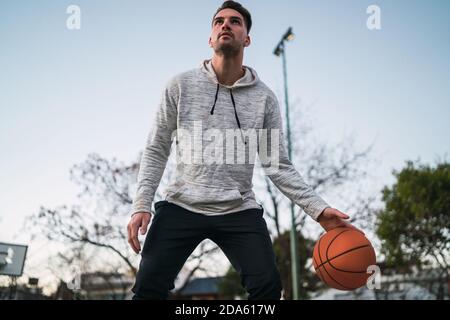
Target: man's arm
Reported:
point(286, 178)
point(157, 150)
point(153, 164)
point(289, 180)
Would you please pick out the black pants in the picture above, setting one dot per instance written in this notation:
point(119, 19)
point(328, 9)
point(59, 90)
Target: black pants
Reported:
point(175, 232)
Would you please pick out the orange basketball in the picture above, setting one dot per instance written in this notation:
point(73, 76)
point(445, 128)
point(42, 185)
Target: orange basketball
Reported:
point(341, 257)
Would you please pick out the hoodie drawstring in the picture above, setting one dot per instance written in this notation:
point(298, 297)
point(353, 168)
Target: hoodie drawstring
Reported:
point(235, 112)
point(237, 119)
point(215, 99)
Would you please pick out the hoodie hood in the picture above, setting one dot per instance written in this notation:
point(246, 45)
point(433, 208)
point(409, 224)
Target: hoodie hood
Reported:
point(250, 77)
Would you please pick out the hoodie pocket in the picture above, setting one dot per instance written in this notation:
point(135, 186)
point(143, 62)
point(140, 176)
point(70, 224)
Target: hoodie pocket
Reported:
point(208, 198)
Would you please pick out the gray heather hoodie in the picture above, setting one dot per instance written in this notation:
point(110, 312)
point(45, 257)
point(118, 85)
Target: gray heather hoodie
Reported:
point(200, 115)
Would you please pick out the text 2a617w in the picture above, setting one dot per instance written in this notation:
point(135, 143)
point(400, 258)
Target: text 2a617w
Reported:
point(246, 309)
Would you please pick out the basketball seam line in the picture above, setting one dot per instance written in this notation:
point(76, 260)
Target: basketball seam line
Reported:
point(335, 279)
point(320, 256)
point(331, 242)
point(329, 260)
point(314, 259)
point(353, 249)
point(320, 240)
point(320, 272)
point(365, 271)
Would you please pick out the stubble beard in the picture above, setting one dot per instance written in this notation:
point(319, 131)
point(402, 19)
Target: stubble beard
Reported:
point(227, 50)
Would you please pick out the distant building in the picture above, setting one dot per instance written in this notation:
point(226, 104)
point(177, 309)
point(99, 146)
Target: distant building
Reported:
point(200, 289)
point(22, 292)
point(15, 291)
point(98, 286)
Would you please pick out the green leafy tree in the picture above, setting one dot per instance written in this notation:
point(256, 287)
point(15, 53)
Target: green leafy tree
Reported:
point(230, 286)
point(414, 225)
point(309, 280)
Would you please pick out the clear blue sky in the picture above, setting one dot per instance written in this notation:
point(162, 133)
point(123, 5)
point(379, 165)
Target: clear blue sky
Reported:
point(64, 94)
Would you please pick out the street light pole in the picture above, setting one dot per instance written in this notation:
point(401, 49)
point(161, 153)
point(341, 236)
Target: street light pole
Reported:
point(280, 49)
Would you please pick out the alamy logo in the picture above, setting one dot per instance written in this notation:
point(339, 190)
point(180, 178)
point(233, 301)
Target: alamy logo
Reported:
point(73, 22)
point(374, 20)
point(74, 283)
point(374, 280)
point(228, 146)
point(10, 256)
point(6, 257)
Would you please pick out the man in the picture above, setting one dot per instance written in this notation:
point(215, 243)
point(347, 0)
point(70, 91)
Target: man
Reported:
point(212, 199)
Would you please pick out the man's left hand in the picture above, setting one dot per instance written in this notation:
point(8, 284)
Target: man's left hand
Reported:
point(332, 218)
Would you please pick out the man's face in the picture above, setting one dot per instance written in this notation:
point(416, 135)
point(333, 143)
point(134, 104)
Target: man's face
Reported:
point(229, 33)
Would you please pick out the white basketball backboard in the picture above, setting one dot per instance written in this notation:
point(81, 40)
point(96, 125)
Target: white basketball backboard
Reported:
point(12, 259)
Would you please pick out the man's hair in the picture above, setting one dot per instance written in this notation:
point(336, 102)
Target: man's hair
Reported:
point(239, 8)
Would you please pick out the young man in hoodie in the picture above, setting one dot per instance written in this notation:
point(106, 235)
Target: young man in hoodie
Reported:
point(212, 198)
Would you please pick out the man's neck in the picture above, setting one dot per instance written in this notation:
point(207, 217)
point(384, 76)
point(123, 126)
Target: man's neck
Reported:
point(228, 70)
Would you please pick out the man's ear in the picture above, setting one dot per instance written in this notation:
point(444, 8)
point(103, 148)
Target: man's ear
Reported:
point(247, 41)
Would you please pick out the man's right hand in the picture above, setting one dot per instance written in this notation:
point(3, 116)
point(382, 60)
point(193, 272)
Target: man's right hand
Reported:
point(139, 221)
